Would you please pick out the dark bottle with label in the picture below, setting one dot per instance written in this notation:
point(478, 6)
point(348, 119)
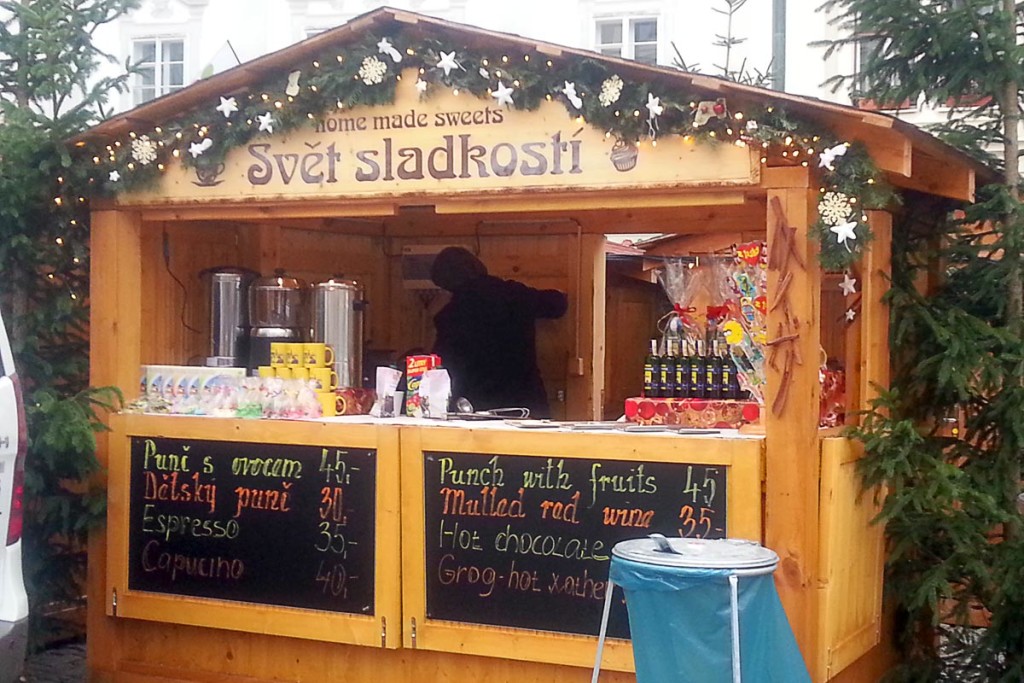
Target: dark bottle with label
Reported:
point(668, 369)
point(652, 372)
point(730, 376)
point(714, 371)
point(698, 372)
point(682, 371)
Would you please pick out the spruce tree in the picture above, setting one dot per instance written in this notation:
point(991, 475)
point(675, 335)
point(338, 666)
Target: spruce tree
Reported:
point(956, 542)
point(49, 91)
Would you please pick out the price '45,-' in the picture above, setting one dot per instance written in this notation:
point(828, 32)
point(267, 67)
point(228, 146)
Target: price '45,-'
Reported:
point(334, 468)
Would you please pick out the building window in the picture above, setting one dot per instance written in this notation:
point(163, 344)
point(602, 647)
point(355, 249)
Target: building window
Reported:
point(160, 66)
point(629, 38)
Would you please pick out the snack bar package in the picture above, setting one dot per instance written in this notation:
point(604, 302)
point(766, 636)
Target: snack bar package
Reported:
point(415, 366)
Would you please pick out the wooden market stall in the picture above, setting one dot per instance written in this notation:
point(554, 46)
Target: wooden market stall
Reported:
point(208, 584)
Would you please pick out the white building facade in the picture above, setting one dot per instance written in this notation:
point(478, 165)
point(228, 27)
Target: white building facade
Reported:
point(177, 42)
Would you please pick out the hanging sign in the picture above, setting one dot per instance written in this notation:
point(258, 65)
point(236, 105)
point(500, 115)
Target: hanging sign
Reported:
point(448, 144)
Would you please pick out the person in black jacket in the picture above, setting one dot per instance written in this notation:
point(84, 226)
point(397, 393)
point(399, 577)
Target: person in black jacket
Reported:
point(486, 335)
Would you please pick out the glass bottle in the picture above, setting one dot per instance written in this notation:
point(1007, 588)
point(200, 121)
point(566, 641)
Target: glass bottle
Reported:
point(652, 372)
point(668, 369)
point(714, 372)
point(698, 372)
point(682, 370)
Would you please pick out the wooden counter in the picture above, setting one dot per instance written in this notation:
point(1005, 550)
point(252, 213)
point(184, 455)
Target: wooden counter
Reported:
point(555, 484)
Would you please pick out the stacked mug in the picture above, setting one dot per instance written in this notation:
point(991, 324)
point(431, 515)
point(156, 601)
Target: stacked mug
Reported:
point(311, 362)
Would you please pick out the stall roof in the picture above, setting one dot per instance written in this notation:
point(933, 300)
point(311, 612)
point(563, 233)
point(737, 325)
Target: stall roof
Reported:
point(911, 158)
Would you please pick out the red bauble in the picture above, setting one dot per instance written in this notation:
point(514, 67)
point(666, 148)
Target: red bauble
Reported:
point(719, 108)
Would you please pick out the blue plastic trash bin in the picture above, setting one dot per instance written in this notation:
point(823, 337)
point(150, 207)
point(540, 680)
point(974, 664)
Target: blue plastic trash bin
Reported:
point(703, 611)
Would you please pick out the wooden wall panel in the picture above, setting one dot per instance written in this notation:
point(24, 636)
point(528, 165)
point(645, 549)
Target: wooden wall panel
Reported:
point(315, 255)
point(633, 308)
point(852, 560)
point(160, 653)
point(169, 309)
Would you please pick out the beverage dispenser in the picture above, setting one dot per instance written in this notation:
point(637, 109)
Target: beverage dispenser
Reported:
point(338, 307)
point(275, 313)
point(229, 315)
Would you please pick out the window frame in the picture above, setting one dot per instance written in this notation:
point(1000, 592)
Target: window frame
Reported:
point(627, 24)
point(863, 43)
point(159, 86)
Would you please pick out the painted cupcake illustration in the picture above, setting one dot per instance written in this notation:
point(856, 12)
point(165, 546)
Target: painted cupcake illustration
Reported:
point(624, 155)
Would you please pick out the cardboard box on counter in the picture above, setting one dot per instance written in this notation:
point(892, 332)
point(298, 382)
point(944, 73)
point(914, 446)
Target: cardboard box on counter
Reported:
point(693, 412)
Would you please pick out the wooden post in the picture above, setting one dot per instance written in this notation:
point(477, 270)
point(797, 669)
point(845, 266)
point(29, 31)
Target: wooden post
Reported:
point(875, 324)
point(585, 363)
point(114, 359)
point(791, 410)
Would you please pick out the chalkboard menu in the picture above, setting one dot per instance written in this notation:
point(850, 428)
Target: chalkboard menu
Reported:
point(265, 523)
point(526, 541)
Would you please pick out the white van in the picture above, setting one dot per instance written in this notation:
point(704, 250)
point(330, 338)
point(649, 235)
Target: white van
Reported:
point(13, 444)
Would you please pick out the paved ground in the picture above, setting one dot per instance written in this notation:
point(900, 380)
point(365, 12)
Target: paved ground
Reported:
point(64, 664)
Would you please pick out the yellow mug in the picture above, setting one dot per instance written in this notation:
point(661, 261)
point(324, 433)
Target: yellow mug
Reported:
point(300, 373)
point(268, 370)
point(317, 355)
point(284, 372)
point(293, 354)
point(278, 354)
point(323, 379)
point(328, 403)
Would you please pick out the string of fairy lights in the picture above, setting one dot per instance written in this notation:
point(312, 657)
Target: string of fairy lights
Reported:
point(366, 74)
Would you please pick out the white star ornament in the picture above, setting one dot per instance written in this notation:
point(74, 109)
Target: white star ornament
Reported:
point(503, 94)
point(227, 106)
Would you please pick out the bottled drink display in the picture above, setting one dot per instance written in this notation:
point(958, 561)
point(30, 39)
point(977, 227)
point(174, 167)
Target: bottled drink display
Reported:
point(692, 369)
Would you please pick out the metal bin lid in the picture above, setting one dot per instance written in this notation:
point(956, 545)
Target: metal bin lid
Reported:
point(696, 553)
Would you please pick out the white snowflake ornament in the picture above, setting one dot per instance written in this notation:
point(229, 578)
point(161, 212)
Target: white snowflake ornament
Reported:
point(143, 150)
point(611, 91)
point(834, 208)
point(372, 70)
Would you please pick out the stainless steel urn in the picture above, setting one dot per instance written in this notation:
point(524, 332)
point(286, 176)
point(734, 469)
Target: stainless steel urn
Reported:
point(229, 320)
point(338, 307)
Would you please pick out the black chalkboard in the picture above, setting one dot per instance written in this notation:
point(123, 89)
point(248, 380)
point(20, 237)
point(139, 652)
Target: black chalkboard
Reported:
point(525, 541)
point(265, 523)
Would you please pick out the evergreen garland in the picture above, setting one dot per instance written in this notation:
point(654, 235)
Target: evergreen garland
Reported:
point(338, 81)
